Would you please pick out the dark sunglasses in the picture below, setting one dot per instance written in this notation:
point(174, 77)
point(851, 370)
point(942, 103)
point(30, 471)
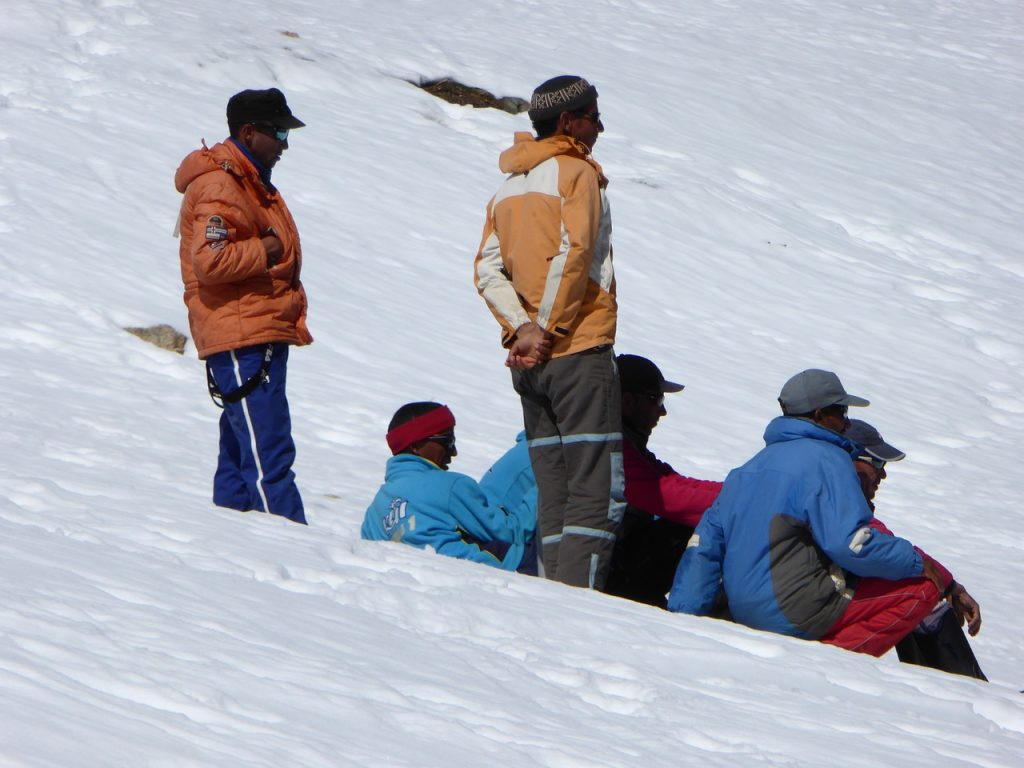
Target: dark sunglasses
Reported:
point(876, 463)
point(657, 399)
point(595, 116)
point(445, 441)
point(281, 134)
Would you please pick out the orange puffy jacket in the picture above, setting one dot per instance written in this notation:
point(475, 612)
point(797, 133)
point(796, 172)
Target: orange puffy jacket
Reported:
point(233, 299)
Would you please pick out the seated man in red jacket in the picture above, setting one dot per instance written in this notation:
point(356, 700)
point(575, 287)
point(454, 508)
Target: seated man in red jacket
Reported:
point(663, 506)
point(938, 641)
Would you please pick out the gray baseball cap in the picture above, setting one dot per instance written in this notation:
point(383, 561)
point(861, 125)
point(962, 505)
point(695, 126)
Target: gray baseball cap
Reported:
point(813, 389)
point(867, 437)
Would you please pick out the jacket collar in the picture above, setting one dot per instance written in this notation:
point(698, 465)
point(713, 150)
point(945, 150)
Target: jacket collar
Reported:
point(783, 429)
point(405, 463)
point(637, 439)
point(262, 172)
point(527, 152)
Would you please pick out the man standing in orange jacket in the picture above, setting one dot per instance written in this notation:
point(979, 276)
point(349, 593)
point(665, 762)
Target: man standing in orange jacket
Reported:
point(545, 270)
point(240, 263)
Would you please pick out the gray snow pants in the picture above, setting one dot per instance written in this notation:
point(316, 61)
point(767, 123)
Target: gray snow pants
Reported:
point(573, 419)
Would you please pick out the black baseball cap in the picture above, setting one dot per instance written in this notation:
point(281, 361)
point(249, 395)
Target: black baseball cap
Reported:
point(638, 374)
point(266, 106)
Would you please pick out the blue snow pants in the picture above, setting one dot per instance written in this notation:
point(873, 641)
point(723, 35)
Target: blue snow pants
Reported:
point(254, 469)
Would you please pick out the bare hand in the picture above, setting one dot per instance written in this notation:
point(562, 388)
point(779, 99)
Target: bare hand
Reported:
point(966, 609)
point(932, 573)
point(531, 347)
point(275, 250)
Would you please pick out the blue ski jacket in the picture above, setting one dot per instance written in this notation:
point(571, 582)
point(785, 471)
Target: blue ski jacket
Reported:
point(425, 506)
point(510, 484)
point(787, 537)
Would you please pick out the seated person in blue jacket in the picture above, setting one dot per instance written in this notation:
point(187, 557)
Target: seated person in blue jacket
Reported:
point(790, 538)
point(423, 504)
point(938, 641)
point(510, 484)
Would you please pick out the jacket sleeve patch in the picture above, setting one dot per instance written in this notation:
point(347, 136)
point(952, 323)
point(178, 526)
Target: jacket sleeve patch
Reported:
point(860, 538)
point(215, 229)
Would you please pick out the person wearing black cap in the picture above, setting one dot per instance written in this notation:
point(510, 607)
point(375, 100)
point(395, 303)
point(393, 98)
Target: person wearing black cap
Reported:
point(938, 641)
point(240, 263)
point(663, 506)
point(790, 538)
point(423, 504)
point(544, 268)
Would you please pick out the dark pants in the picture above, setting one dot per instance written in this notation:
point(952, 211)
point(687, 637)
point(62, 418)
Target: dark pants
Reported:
point(646, 557)
point(572, 414)
point(528, 563)
point(254, 468)
point(946, 649)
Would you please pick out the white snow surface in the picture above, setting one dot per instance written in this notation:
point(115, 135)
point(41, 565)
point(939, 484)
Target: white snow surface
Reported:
point(831, 184)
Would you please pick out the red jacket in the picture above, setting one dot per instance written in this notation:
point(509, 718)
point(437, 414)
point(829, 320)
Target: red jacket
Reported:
point(655, 488)
point(234, 300)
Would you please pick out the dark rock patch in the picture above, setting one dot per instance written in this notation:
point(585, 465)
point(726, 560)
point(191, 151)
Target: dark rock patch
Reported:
point(163, 336)
point(455, 92)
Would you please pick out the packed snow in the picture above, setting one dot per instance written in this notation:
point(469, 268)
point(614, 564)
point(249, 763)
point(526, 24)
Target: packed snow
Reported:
point(830, 184)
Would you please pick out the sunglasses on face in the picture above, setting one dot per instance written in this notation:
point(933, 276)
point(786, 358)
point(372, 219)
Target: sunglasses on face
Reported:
point(281, 134)
point(876, 463)
point(658, 399)
point(445, 441)
point(594, 117)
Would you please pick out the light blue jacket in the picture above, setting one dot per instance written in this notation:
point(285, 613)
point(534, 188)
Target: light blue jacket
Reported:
point(423, 505)
point(510, 484)
point(787, 537)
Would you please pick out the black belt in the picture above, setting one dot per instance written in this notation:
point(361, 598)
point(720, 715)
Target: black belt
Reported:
point(219, 398)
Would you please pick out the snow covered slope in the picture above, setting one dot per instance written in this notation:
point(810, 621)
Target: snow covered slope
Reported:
point(794, 184)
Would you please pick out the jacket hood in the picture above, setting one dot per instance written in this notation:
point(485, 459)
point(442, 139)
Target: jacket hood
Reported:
point(526, 153)
point(223, 156)
point(783, 429)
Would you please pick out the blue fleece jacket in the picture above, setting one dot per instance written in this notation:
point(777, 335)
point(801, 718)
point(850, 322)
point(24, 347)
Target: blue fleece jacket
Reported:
point(423, 505)
point(787, 537)
point(509, 483)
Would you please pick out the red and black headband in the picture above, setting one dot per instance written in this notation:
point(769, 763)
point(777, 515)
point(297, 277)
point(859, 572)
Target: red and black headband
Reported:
point(432, 423)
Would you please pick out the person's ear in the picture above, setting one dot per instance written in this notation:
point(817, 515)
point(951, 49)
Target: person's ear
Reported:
point(565, 124)
point(245, 134)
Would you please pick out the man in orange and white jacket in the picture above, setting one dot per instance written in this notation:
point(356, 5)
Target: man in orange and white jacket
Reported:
point(544, 268)
point(240, 263)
